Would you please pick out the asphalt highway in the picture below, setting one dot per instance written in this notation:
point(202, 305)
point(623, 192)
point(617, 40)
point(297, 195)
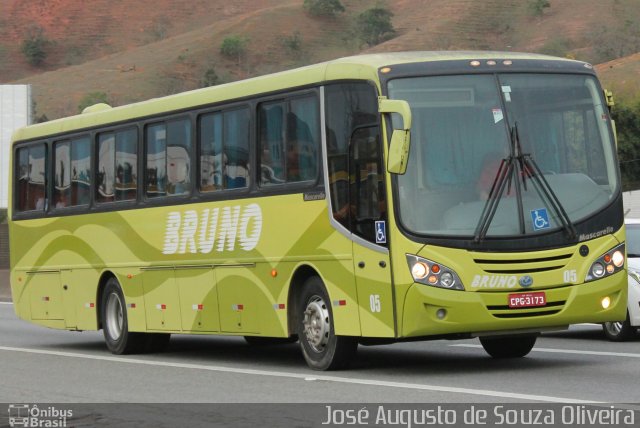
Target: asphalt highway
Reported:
point(41, 365)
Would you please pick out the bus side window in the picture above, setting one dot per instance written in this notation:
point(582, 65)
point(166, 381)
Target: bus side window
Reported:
point(289, 141)
point(236, 149)
point(168, 158)
point(367, 182)
point(31, 178)
point(224, 150)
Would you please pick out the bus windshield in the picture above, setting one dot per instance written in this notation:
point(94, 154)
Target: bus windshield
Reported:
point(549, 131)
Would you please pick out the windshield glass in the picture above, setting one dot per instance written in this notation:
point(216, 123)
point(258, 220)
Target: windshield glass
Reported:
point(463, 135)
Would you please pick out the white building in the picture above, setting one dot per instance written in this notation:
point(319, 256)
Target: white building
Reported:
point(631, 204)
point(15, 112)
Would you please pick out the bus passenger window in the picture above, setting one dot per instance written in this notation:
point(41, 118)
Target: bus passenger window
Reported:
point(105, 174)
point(168, 163)
point(31, 178)
point(289, 141)
point(126, 174)
point(117, 175)
point(72, 173)
point(224, 150)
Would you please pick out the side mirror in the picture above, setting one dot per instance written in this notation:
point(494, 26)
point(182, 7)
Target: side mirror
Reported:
point(399, 151)
point(400, 138)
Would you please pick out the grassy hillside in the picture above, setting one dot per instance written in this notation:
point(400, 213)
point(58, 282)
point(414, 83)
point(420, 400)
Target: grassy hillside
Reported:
point(138, 50)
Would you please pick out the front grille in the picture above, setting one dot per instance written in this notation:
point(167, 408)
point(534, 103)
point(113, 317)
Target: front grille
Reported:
point(522, 265)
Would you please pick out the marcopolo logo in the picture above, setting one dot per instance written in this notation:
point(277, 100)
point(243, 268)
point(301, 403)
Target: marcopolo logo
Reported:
point(25, 415)
point(220, 228)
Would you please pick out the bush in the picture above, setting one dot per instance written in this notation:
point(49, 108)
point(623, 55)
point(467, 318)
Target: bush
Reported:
point(210, 78)
point(328, 8)
point(34, 46)
point(374, 26)
point(537, 7)
point(233, 47)
point(92, 98)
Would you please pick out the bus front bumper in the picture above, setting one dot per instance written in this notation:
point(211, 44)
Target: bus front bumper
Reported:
point(433, 311)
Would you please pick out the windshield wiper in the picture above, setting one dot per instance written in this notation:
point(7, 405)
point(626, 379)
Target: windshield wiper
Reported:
point(526, 168)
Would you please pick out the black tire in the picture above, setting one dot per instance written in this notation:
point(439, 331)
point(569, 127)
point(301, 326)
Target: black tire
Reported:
point(508, 347)
point(321, 348)
point(115, 327)
point(268, 341)
point(619, 331)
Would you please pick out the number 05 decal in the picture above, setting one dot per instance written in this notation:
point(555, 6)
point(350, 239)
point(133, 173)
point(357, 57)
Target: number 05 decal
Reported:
point(374, 303)
point(570, 276)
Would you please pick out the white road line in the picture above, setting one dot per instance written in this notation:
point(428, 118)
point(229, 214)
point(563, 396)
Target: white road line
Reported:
point(306, 377)
point(564, 351)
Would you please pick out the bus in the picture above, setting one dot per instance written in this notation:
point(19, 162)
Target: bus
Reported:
point(365, 200)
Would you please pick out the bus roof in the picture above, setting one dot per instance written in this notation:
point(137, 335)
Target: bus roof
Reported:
point(354, 67)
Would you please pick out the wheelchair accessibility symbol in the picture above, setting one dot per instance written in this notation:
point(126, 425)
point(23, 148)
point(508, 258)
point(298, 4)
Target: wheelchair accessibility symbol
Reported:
point(540, 219)
point(381, 232)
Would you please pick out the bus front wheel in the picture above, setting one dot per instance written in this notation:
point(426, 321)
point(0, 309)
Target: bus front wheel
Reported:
point(114, 322)
point(508, 347)
point(321, 347)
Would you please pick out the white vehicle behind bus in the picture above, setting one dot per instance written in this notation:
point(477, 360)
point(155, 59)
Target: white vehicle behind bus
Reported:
point(628, 329)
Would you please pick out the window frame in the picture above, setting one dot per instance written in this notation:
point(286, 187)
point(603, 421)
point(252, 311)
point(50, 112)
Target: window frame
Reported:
point(286, 98)
point(188, 117)
point(70, 139)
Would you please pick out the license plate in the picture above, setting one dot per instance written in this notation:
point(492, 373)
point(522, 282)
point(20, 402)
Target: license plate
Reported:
point(527, 300)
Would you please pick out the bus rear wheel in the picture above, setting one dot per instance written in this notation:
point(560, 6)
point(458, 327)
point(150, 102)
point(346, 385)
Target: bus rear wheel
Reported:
point(508, 347)
point(115, 326)
point(321, 347)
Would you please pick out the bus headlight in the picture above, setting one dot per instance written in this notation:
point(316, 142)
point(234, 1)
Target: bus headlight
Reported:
point(607, 264)
point(428, 272)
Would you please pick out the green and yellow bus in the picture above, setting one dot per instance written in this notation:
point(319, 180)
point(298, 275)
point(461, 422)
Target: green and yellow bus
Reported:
point(365, 200)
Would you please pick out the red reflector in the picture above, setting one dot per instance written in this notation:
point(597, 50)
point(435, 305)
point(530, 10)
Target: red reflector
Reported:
point(45, 299)
point(200, 307)
point(132, 305)
point(281, 306)
point(342, 302)
point(240, 307)
point(92, 305)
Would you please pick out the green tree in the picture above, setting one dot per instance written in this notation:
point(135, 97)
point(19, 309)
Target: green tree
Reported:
point(328, 8)
point(373, 26)
point(210, 78)
point(234, 47)
point(627, 119)
point(34, 46)
point(92, 98)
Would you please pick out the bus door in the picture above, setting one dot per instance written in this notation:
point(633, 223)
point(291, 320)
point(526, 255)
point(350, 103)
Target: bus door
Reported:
point(369, 228)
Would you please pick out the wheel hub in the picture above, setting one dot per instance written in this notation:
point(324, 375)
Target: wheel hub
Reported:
point(316, 324)
point(114, 317)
